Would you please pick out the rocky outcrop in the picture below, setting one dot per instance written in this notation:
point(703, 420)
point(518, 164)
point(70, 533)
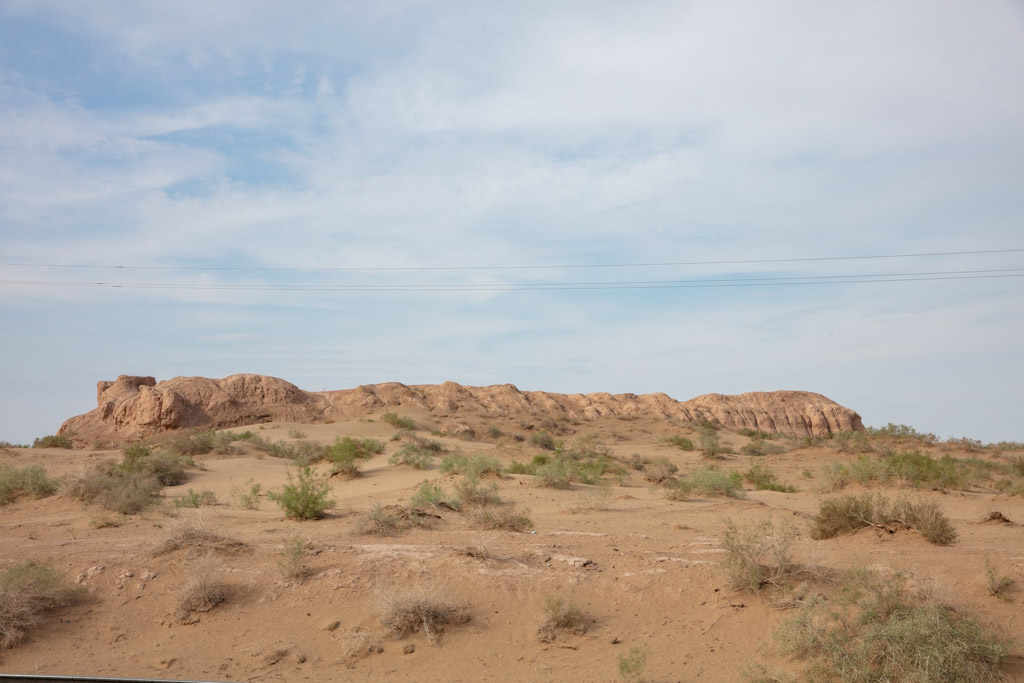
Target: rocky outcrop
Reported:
point(132, 407)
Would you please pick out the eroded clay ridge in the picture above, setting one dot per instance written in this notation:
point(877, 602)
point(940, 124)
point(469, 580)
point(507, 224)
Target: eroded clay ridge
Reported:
point(133, 407)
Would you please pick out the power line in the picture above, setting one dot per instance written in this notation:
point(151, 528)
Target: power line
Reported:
point(528, 267)
point(668, 284)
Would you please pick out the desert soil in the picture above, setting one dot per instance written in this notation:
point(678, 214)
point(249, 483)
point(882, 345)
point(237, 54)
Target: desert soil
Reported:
point(644, 569)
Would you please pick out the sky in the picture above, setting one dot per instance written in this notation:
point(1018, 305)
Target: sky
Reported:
point(571, 197)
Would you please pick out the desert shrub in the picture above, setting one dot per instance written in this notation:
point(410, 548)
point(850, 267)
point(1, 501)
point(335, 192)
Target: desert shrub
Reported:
point(54, 441)
point(193, 535)
point(636, 462)
point(850, 442)
point(296, 434)
point(204, 588)
point(191, 442)
point(760, 447)
point(561, 614)
point(678, 489)
point(166, 468)
point(659, 470)
point(346, 453)
point(127, 492)
point(879, 629)
point(709, 444)
point(29, 480)
point(709, 481)
point(476, 466)
point(544, 439)
point(844, 514)
point(27, 590)
point(764, 479)
point(965, 444)
point(631, 666)
point(412, 456)
point(557, 474)
point(398, 421)
point(420, 610)
point(759, 555)
point(494, 432)
point(996, 583)
point(291, 559)
point(756, 434)
point(473, 494)
point(502, 518)
point(305, 453)
point(379, 522)
point(680, 442)
point(249, 497)
point(304, 496)
point(194, 500)
point(432, 495)
point(901, 431)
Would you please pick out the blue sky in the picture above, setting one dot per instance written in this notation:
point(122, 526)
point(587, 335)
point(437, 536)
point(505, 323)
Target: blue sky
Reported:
point(431, 135)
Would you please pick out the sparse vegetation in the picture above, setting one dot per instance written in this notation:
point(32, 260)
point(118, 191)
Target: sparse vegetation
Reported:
point(544, 439)
point(305, 496)
point(758, 555)
point(759, 447)
point(505, 518)
point(709, 444)
point(296, 434)
point(995, 582)
point(562, 614)
point(398, 421)
point(127, 492)
point(476, 466)
point(472, 493)
point(681, 442)
point(194, 500)
point(430, 494)
point(30, 480)
point(879, 629)
point(203, 589)
point(54, 441)
point(659, 470)
point(27, 590)
point(379, 522)
point(631, 666)
point(249, 497)
point(413, 456)
point(764, 479)
point(420, 610)
point(847, 513)
point(291, 558)
point(708, 481)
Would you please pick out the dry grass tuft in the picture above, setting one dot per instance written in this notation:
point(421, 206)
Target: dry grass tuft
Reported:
point(503, 518)
point(562, 614)
point(193, 535)
point(358, 645)
point(420, 610)
point(26, 591)
point(204, 588)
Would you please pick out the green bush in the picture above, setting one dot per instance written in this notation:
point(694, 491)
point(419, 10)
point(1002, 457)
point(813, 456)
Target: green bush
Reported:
point(678, 489)
point(760, 447)
point(680, 442)
point(708, 481)
point(709, 444)
point(544, 439)
point(476, 466)
point(30, 479)
point(195, 500)
point(304, 496)
point(54, 441)
point(561, 614)
point(413, 456)
point(249, 498)
point(764, 479)
point(430, 494)
point(473, 494)
point(398, 421)
point(191, 442)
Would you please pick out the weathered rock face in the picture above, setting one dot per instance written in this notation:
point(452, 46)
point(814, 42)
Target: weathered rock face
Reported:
point(133, 407)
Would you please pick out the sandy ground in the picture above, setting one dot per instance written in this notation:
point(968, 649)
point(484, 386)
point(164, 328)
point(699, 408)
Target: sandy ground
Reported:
point(644, 569)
